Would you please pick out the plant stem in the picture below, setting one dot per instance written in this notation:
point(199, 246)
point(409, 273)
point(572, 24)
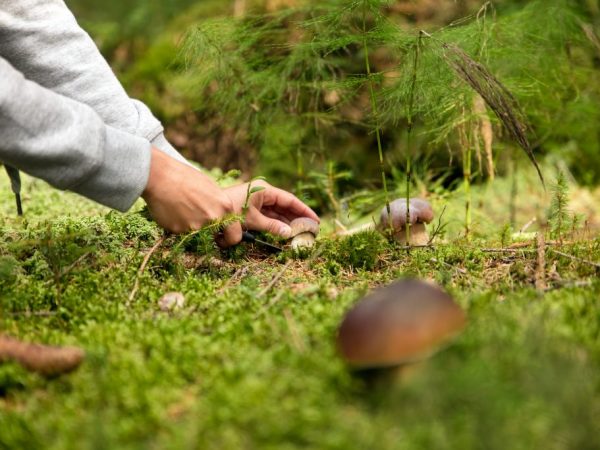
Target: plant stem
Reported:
point(411, 102)
point(467, 185)
point(331, 189)
point(514, 191)
point(465, 144)
point(375, 114)
point(246, 205)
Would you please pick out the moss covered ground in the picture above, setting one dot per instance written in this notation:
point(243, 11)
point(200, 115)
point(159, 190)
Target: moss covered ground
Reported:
point(250, 361)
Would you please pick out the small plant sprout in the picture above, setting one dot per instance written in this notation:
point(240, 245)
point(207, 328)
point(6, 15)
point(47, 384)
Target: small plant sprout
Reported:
point(414, 213)
point(304, 232)
point(398, 325)
point(251, 190)
point(559, 209)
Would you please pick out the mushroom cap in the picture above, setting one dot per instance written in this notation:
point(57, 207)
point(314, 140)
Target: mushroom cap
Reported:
point(420, 212)
point(400, 323)
point(171, 301)
point(304, 225)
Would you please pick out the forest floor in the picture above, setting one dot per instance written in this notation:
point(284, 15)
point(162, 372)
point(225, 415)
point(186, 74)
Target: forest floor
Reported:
point(250, 360)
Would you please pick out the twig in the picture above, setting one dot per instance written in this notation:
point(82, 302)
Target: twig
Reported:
point(270, 304)
point(570, 284)
point(540, 271)
point(294, 333)
point(32, 313)
point(588, 30)
point(527, 225)
point(578, 259)
point(412, 247)
point(274, 280)
point(340, 226)
point(458, 269)
point(239, 273)
point(143, 267)
point(438, 228)
point(359, 229)
point(74, 264)
point(508, 250)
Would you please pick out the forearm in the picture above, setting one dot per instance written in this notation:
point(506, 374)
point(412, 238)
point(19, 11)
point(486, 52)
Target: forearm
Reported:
point(42, 39)
point(67, 144)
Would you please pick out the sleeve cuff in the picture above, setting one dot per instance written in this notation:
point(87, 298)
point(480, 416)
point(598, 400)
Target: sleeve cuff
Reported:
point(161, 143)
point(122, 176)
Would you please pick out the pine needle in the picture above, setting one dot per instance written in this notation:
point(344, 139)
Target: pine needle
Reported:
point(495, 94)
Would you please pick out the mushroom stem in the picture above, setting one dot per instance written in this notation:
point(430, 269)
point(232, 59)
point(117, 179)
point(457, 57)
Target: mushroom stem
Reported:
point(384, 376)
point(303, 240)
point(45, 360)
point(418, 235)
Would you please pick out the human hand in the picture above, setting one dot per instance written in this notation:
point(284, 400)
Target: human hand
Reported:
point(181, 198)
point(270, 209)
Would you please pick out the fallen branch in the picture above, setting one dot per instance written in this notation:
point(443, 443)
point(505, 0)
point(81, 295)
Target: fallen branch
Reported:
point(508, 250)
point(570, 284)
point(578, 259)
point(458, 269)
point(143, 267)
point(297, 340)
point(540, 270)
point(239, 273)
point(274, 280)
point(74, 264)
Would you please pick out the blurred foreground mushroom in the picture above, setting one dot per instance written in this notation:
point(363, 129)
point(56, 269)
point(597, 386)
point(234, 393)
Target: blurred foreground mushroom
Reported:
point(419, 213)
point(43, 359)
point(304, 232)
point(397, 325)
point(171, 301)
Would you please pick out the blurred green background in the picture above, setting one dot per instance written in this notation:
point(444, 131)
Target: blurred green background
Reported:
point(546, 53)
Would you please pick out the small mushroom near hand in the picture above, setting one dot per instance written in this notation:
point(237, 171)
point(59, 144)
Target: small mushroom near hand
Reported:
point(304, 232)
point(171, 301)
point(419, 214)
point(398, 325)
point(46, 360)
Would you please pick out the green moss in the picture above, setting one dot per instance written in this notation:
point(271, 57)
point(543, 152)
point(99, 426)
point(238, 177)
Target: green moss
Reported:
point(251, 362)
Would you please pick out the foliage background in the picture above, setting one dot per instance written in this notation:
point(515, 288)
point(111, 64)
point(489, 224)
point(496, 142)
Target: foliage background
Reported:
point(547, 53)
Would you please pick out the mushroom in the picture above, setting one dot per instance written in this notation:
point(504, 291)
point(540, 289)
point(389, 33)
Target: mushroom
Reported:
point(46, 360)
point(304, 232)
point(397, 325)
point(419, 214)
point(171, 301)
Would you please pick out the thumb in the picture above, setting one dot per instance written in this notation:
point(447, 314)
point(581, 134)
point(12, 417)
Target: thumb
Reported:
point(260, 222)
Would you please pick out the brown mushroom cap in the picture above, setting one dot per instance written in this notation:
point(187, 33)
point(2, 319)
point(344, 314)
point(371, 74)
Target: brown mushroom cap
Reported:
point(420, 212)
point(400, 323)
point(304, 225)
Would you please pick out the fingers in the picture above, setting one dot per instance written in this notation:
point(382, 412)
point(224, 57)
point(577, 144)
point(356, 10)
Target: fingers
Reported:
point(276, 215)
point(232, 235)
point(259, 222)
point(287, 204)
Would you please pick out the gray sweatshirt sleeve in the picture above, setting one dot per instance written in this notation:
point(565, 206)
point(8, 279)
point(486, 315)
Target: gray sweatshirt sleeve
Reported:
point(67, 144)
point(42, 39)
